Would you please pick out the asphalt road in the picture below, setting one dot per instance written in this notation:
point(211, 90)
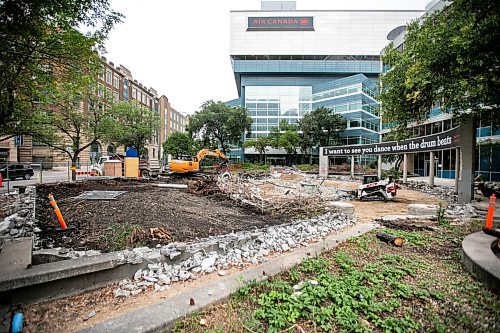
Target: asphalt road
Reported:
point(48, 176)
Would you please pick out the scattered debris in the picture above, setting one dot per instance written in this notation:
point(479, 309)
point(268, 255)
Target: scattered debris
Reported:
point(99, 195)
point(443, 192)
point(90, 315)
point(160, 233)
point(181, 262)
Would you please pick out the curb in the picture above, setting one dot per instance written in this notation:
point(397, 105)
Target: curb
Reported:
point(162, 315)
point(478, 258)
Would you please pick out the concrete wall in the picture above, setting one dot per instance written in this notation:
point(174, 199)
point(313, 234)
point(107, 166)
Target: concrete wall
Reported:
point(337, 32)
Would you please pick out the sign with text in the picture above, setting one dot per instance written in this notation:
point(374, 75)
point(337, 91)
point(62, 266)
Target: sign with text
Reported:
point(444, 140)
point(278, 23)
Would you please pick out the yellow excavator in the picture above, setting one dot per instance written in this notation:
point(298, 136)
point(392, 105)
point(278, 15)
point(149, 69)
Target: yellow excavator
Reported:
point(181, 166)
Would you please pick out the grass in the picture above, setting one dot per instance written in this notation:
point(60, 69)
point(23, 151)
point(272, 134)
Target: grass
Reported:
point(364, 286)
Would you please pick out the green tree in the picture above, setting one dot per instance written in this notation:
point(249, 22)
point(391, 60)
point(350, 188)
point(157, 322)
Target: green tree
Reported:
point(452, 58)
point(220, 123)
point(286, 137)
point(42, 46)
point(178, 144)
point(70, 118)
point(260, 145)
point(323, 126)
point(131, 125)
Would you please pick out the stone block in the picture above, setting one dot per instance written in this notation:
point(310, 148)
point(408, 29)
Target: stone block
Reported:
point(342, 206)
point(422, 210)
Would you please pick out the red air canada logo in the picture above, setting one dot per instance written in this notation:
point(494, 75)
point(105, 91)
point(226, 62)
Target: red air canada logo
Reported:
point(283, 21)
point(280, 23)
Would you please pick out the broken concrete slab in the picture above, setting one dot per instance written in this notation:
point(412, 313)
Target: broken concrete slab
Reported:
point(99, 195)
point(422, 209)
point(342, 206)
point(16, 254)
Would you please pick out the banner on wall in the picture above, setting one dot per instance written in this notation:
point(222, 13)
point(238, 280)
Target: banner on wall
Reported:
point(444, 140)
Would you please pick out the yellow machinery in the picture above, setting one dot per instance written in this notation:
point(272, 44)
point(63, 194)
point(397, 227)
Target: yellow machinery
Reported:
point(194, 165)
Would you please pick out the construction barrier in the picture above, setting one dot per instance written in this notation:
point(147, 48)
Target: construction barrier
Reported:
point(92, 173)
point(57, 211)
point(491, 212)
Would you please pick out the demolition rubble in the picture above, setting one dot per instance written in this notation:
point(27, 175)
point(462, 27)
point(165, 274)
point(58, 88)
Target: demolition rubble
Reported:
point(233, 250)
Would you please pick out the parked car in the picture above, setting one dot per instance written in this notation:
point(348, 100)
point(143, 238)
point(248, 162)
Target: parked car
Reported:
point(17, 171)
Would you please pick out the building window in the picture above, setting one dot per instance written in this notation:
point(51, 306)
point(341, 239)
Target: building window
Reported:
point(154, 153)
point(108, 77)
point(134, 93)
point(109, 94)
point(116, 82)
point(116, 97)
point(125, 90)
point(100, 73)
point(100, 90)
point(111, 149)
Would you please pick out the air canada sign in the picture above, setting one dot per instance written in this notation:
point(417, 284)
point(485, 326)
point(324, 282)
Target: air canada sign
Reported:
point(278, 23)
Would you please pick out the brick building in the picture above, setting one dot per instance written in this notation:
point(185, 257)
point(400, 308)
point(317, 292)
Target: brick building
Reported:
point(115, 83)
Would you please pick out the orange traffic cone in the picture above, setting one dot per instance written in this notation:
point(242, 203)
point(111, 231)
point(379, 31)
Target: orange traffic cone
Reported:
point(491, 212)
point(58, 212)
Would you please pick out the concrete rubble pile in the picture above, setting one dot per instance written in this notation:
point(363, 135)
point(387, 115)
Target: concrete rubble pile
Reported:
point(443, 192)
point(180, 261)
point(281, 193)
point(21, 221)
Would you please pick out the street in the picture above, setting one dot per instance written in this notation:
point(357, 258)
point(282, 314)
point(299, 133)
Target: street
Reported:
point(48, 176)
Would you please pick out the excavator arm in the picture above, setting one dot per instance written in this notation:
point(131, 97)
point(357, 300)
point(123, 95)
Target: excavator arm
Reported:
point(207, 152)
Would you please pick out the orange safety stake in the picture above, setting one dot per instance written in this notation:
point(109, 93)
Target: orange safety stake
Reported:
point(491, 212)
point(57, 211)
point(1, 180)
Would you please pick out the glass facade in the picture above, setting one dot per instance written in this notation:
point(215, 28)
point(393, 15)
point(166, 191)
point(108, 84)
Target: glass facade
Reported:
point(269, 100)
point(269, 105)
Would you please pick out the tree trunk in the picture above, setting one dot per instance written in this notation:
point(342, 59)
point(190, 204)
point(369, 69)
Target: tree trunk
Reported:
point(398, 162)
point(73, 167)
point(391, 239)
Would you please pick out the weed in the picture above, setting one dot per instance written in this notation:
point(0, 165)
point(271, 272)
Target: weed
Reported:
point(122, 236)
point(442, 221)
point(314, 265)
point(294, 274)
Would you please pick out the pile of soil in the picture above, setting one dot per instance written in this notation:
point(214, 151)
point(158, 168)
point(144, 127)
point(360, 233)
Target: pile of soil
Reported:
point(184, 216)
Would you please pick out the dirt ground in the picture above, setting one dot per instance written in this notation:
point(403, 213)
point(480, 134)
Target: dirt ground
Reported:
point(366, 211)
point(108, 225)
point(166, 208)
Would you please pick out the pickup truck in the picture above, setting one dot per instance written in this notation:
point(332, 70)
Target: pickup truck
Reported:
point(147, 168)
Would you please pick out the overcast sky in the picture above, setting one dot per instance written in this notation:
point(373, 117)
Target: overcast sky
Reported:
point(181, 48)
